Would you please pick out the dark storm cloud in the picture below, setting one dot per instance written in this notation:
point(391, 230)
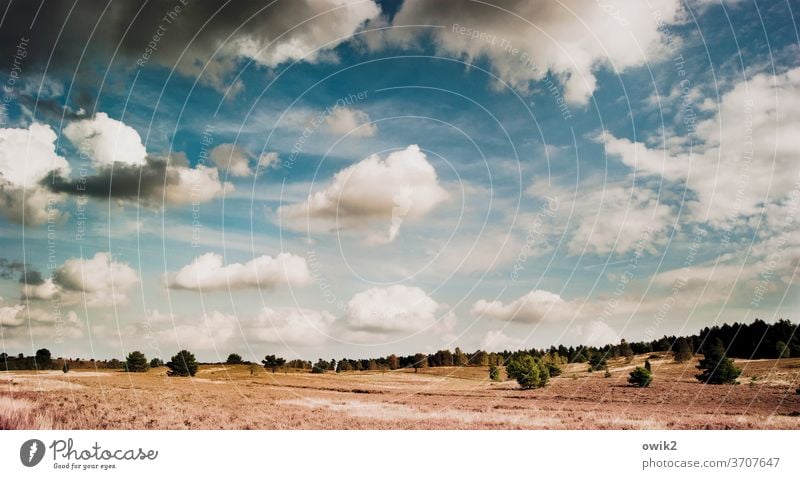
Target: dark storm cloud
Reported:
point(9, 269)
point(124, 182)
point(164, 31)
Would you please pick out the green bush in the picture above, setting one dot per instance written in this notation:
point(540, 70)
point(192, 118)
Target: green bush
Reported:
point(529, 372)
point(136, 362)
point(640, 377)
point(317, 370)
point(182, 364)
point(233, 358)
point(715, 367)
point(156, 363)
point(494, 373)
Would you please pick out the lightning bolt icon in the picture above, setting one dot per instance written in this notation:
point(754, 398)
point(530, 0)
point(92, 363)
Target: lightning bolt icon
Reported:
point(32, 452)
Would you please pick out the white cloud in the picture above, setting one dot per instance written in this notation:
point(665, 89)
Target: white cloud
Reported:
point(350, 121)
point(194, 185)
point(619, 219)
point(397, 308)
point(106, 141)
point(499, 341)
point(595, 333)
point(403, 186)
point(294, 326)
point(100, 280)
point(533, 307)
point(269, 159)
point(746, 155)
point(207, 273)
point(27, 155)
point(570, 39)
point(216, 329)
point(304, 30)
point(46, 290)
point(10, 317)
point(22, 325)
point(232, 159)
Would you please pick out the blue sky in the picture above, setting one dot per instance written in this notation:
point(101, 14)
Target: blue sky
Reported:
point(546, 205)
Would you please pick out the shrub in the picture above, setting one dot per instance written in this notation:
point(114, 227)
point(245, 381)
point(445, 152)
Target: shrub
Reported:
point(607, 374)
point(182, 364)
point(640, 377)
point(136, 362)
point(529, 372)
point(156, 363)
point(494, 373)
point(715, 367)
point(233, 358)
point(65, 367)
point(317, 370)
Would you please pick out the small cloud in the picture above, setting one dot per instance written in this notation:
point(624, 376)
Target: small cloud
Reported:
point(350, 121)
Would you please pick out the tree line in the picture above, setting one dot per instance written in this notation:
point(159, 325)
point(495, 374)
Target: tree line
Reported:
point(531, 368)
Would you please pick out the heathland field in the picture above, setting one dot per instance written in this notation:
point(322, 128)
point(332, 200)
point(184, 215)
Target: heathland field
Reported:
point(241, 397)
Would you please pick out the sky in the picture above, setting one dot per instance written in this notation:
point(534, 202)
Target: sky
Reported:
point(332, 178)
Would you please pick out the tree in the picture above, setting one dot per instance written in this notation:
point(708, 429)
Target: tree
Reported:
point(156, 363)
point(553, 362)
point(136, 362)
point(182, 364)
point(625, 349)
point(394, 363)
point(529, 372)
point(597, 361)
point(683, 352)
point(782, 350)
point(641, 377)
point(715, 366)
point(494, 372)
point(233, 358)
point(459, 358)
point(43, 359)
point(420, 361)
point(273, 362)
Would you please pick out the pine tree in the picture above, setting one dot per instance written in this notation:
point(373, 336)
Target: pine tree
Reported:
point(715, 367)
point(136, 362)
point(683, 352)
point(641, 377)
point(182, 364)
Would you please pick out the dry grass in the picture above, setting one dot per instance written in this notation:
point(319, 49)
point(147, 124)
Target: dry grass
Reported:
point(230, 397)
